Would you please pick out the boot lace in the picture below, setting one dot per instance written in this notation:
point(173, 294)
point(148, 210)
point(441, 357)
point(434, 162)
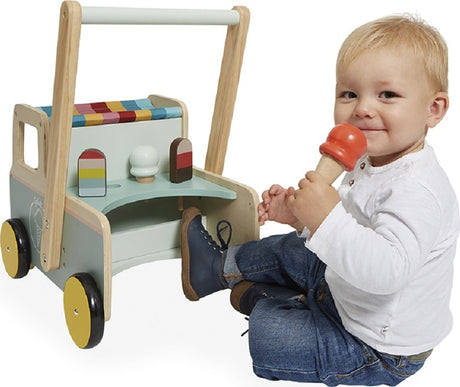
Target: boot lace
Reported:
point(223, 228)
point(247, 330)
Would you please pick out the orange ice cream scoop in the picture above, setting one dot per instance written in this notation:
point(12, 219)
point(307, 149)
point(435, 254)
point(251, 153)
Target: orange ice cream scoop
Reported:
point(344, 145)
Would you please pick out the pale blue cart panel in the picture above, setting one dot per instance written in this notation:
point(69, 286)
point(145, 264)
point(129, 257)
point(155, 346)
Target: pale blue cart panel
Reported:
point(82, 246)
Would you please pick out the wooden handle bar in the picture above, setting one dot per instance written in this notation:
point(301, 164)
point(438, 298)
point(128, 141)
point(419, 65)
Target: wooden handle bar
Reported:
point(114, 15)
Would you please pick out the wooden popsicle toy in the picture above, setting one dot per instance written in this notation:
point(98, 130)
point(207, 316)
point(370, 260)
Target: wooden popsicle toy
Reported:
point(180, 160)
point(344, 145)
point(92, 173)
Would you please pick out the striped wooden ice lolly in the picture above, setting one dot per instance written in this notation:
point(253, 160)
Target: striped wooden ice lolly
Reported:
point(180, 160)
point(92, 173)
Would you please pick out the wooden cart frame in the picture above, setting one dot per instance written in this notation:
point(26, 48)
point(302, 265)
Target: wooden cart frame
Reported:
point(70, 239)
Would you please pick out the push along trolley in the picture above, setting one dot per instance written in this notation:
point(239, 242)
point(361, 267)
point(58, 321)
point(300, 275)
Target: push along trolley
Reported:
point(81, 216)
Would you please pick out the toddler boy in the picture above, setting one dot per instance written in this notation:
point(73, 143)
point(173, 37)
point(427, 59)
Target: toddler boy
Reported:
point(359, 293)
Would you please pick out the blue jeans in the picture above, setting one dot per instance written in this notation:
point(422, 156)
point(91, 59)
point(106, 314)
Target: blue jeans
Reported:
point(302, 339)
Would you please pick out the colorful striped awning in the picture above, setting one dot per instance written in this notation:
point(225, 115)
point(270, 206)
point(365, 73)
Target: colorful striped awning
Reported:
point(100, 113)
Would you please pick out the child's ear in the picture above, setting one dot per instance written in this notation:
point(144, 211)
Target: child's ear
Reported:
point(438, 109)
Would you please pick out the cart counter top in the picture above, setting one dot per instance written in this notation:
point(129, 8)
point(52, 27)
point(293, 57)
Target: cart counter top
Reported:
point(125, 191)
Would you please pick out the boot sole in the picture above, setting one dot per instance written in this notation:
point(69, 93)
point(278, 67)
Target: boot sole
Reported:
point(188, 215)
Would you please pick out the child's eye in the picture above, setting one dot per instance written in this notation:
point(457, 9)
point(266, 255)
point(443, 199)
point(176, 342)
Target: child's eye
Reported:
point(387, 94)
point(348, 95)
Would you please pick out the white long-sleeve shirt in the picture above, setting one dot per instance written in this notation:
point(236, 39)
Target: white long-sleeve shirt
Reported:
point(389, 247)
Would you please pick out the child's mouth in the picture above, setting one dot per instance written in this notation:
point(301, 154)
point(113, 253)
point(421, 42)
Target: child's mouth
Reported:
point(371, 131)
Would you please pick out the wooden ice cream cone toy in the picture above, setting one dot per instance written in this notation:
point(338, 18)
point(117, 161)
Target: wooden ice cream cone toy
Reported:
point(344, 145)
point(144, 163)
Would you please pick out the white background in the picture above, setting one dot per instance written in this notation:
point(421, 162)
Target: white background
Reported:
point(283, 112)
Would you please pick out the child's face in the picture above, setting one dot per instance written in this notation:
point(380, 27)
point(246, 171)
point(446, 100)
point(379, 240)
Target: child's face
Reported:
point(386, 93)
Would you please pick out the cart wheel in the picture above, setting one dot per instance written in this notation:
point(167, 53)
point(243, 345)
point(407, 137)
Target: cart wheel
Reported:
point(84, 310)
point(15, 248)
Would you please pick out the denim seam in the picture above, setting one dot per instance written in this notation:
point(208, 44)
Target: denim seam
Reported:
point(261, 270)
point(341, 376)
point(315, 372)
point(286, 370)
point(393, 371)
point(369, 358)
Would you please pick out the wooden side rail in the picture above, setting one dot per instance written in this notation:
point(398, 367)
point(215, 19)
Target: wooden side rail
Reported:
point(232, 60)
point(60, 133)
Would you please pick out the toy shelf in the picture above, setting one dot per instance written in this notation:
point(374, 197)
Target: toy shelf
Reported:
point(126, 191)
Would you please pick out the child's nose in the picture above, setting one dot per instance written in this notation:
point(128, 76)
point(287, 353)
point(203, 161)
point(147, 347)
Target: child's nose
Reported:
point(364, 108)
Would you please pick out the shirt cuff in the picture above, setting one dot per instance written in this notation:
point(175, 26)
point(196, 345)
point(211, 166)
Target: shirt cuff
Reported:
point(304, 234)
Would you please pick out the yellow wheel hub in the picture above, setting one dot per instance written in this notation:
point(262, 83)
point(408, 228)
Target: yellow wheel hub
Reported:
point(10, 250)
point(77, 312)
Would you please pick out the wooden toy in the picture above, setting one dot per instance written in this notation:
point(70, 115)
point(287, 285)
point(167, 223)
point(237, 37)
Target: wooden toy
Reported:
point(180, 160)
point(80, 242)
point(144, 163)
point(92, 173)
point(344, 145)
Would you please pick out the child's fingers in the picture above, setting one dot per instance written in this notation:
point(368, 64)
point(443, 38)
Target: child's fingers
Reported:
point(290, 191)
point(303, 183)
point(276, 189)
point(261, 209)
point(290, 201)
point(313, 176)
point(266, 196)
point(262, 219)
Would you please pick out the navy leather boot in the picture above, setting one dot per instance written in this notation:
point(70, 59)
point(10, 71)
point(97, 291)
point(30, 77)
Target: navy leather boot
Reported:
point(202, 258)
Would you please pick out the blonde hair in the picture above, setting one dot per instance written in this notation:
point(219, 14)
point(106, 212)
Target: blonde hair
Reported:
point(398, 31)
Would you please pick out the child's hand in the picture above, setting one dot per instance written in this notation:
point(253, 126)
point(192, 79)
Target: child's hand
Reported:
point(313, 201)
point(273, 206)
